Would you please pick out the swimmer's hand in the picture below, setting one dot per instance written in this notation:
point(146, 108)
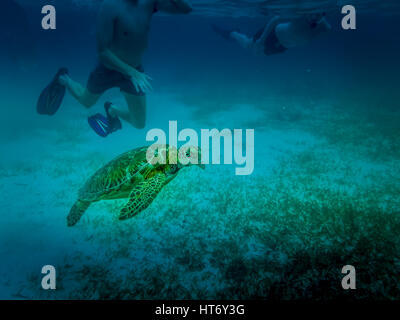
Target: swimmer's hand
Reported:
point(140, 81)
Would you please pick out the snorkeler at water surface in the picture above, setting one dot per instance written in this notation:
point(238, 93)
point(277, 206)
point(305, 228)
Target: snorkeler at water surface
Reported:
point(122, 37)
point(280, 34)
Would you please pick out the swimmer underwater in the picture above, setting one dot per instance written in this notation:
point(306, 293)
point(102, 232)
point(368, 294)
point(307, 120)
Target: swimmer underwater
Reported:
point(279, 34)
point(122, 38)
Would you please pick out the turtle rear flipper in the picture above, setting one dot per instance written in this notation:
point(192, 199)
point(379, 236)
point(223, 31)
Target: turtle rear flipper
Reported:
point(77, 211)
point(142, 196)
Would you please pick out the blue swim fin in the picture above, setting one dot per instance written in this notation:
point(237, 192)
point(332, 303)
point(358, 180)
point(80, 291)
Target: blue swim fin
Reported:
point(104, 125)
point(52, 96)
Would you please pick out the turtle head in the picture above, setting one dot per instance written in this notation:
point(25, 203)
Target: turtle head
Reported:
point(160, 156)
point(187, 156)
point(190, 156)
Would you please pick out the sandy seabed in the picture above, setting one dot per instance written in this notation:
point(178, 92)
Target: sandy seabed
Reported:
point(324, 194)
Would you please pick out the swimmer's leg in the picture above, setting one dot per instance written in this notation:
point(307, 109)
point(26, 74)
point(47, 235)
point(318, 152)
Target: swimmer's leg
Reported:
point(136, 113)
point(231, 34)
point(243, 40)
point(224, 33)
point(80, 93)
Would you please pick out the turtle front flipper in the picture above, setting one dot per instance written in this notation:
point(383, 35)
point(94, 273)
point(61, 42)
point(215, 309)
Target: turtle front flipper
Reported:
point(77, 211)
point(142, 196)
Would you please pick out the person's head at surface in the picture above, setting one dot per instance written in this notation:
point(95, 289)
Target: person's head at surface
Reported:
point(182, 6)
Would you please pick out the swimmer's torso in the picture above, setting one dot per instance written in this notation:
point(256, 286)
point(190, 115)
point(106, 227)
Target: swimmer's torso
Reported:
point(131, 28)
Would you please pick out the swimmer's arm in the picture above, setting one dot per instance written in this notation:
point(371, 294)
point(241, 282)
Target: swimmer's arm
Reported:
point(138, 79)
point(105, 32)
point(174, 6)
point(268, 29)
point(115, 63)
point(325, 25)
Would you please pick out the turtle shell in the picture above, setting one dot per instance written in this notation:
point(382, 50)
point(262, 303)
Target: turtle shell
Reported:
point(116, 177)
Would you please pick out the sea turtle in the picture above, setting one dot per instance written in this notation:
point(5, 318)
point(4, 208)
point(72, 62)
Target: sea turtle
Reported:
point(130, 175)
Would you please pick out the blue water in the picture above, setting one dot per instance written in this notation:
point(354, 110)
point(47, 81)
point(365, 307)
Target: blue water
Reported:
point(323, 194)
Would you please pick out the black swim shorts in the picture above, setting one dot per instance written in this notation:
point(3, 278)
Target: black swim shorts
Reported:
point(271, 43)
point(101, 79)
